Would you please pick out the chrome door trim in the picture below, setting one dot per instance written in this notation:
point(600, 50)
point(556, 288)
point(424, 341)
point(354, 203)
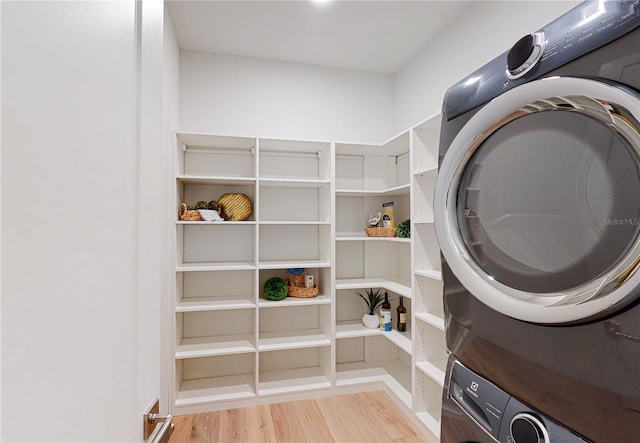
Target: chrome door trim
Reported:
point(616, 106)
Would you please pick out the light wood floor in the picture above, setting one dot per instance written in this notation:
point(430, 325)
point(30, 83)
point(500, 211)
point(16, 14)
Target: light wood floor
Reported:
point(363, 417)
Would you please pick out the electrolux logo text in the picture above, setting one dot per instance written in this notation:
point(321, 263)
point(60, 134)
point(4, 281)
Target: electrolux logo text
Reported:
point(473, 388)
point(622, 221)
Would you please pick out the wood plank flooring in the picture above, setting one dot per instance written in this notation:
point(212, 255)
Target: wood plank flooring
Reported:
point(363, 417)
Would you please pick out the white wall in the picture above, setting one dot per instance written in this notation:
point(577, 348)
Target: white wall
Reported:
point(481, 33)
point(170, 104)
point(249, 96)
point(80, 301)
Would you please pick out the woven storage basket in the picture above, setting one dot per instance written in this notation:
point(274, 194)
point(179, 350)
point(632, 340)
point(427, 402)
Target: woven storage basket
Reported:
point(380, 232)
point(188, 214)
point(296, 291)
point(235, 207)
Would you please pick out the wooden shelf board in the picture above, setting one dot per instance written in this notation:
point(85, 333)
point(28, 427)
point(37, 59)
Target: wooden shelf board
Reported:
point(210, 346)
point(396, 190)
point(223, 266)
point(293, 183)
point(435, 369)
point(295, 301)
point(348, 329)
point(431, 420)
point(296, 339)
point(292, 380)
point(214, 303)
point(215, 180)
point(435, 320)
point(430, 273)
point(398, 287)
point(279, 264)
point(215, 389)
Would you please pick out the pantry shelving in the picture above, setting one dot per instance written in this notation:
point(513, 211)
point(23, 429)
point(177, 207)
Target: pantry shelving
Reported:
point(430, 353)
point(233, 347)
point(366, 177)
point(311, 202)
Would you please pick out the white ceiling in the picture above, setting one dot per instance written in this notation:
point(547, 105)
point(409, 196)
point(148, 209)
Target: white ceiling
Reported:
point(377, 36)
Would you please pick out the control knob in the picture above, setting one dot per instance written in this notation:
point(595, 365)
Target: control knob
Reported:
point(524, 55)
point(526, 428)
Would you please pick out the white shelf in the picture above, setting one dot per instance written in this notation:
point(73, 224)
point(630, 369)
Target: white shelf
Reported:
point(396, 190)
point(295, 301)
point(365, 238)
point(293, 183)
point(431, 420)
point(431, 273)
point(215, 180)
point(223, 266)
point(214, 304)
point(434, 369)
point(291, 222)
point(292, 380)
point(432, 319)
point(215, 389)
point(210, 346)
point(425, 221)
point(294, 264)
point(306, 338)
point(431, 170)
point(356, 329)
point(349, 329)
point(216, 223)
point(398, 287)
point(394, 374)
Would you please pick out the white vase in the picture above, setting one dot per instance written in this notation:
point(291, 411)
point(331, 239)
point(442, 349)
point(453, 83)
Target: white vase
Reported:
point(371, 321)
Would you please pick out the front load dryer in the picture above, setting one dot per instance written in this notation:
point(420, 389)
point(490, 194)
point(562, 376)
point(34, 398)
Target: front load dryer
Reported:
point(537, 213)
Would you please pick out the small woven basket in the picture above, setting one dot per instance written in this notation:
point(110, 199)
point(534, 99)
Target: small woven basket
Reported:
point(188, 214)
point(235, 207)
point(296, 291)
point(380, 232)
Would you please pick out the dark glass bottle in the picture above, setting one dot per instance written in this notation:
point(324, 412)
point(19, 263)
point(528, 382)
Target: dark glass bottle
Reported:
point(385, 303)
point(402, 316)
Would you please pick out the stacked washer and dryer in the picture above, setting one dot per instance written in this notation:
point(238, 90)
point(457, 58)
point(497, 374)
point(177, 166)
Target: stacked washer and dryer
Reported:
point(538, 218)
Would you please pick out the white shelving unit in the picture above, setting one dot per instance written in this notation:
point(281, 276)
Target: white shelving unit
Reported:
point(311, 201)
point(232, 347)
point(366, 177)
point(429, 352)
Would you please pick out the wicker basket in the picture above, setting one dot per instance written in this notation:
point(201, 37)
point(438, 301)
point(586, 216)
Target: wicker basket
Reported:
point(235, 207)
point(296, 291)
point(380, 232)
point(188, 214)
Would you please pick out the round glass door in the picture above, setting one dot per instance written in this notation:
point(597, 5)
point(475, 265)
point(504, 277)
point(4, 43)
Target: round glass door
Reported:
point(538, 201)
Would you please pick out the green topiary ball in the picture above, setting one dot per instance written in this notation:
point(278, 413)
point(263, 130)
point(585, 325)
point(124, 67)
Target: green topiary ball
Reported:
point(202, 205)
point(403, 230)
point(275, 289)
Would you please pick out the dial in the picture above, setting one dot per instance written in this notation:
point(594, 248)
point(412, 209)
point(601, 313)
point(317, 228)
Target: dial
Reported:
point(524, 55)
point(525, 428)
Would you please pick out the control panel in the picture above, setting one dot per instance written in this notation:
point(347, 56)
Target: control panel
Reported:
point(500, 415)
point(586, 27)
